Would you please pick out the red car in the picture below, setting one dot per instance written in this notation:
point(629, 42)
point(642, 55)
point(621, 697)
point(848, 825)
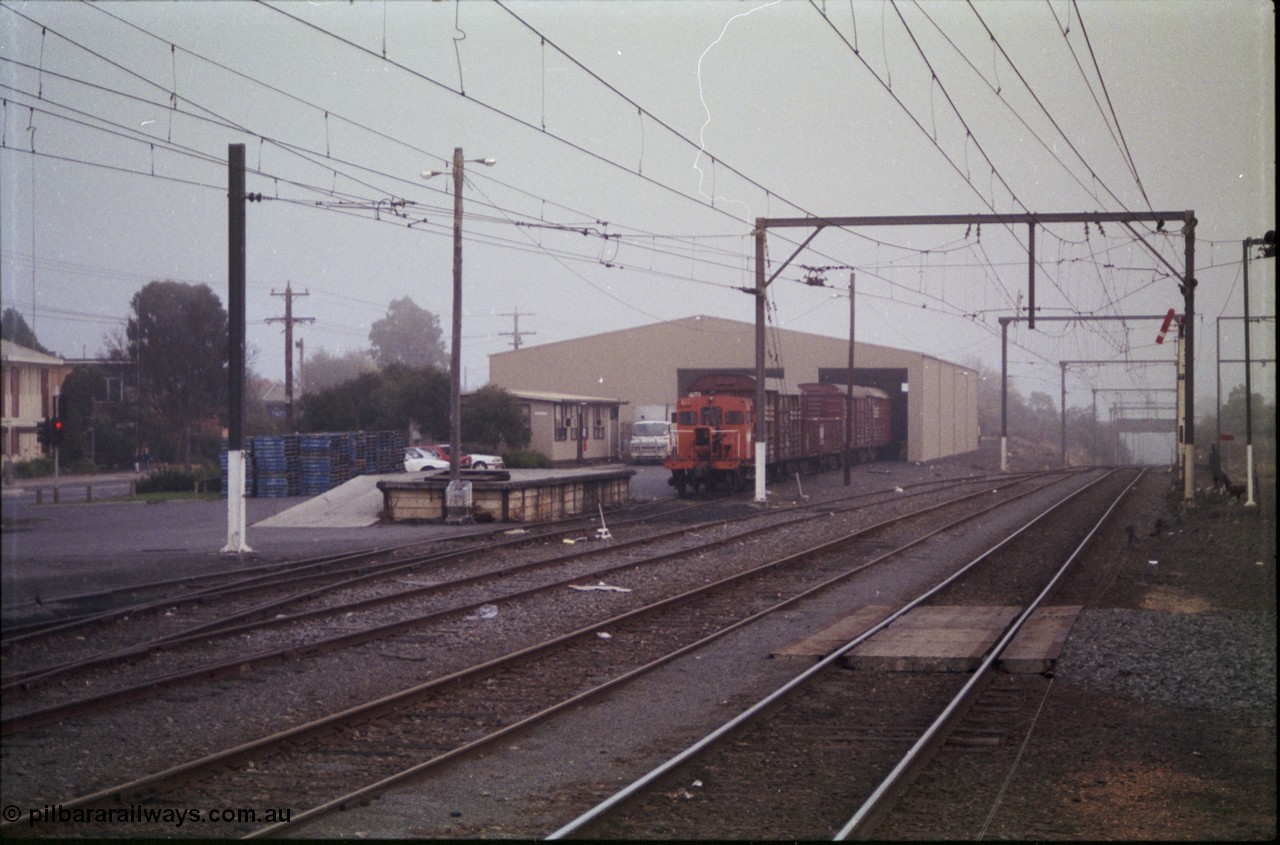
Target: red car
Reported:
point(441, 450)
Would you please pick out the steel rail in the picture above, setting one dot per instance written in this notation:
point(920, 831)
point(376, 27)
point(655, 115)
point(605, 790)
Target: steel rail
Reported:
point(630, 791)
point(223, 625)
point(30, 720)
point(917, 751)
point(372, 709)
point(19, 634)
point(219, 628)
point(426, 765)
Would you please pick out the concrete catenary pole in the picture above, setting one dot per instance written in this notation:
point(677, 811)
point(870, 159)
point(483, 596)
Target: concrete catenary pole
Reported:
point(761, 495)
point(848, 399)
point(236, 541)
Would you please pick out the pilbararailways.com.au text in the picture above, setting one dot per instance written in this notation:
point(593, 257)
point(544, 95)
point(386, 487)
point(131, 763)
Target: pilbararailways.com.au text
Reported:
point(139, 814)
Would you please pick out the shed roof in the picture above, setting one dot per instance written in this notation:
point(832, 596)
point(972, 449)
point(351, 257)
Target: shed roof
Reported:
point(552, 396)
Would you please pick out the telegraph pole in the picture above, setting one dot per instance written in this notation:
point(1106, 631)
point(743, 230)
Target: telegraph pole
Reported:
point(288, 319)
point(515, 334)
point(458, 493)
point(302, 372)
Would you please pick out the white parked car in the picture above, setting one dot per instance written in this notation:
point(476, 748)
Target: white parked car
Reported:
point(479, 461)
point(416, 460)
point(469, 460)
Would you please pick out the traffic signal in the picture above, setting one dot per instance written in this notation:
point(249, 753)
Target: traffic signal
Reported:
point(42, 432)
point(57, 427)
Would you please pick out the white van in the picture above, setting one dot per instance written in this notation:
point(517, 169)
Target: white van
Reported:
point(651, 441)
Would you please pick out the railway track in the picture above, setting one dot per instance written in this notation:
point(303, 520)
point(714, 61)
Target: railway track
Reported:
point(211, 649)
point(458, 710)
point(831, 752)
point(286, 576)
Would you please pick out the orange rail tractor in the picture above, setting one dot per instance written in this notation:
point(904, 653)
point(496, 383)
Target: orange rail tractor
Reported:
point(805, 431)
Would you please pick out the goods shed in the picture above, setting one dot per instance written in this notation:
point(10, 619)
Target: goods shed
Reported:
point(935, 402)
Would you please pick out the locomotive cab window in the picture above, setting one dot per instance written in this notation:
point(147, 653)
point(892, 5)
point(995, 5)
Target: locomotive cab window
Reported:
point(688, 418)
point(712, 416)
point(735, 418)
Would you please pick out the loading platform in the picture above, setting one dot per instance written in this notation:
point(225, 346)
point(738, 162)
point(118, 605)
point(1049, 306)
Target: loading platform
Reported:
point(531, 495)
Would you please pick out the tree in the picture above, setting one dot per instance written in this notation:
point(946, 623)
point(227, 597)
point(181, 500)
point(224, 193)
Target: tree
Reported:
point(386, 400)
point(14, 328)
point(325, 369)
point(420, 395)
point(1233, 415)
point(178, 338)
point(493, 417)
point(79, 389)
point(408, 335)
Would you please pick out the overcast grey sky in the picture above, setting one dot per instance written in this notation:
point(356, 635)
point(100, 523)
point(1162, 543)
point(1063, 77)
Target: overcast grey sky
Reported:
point(635, 143)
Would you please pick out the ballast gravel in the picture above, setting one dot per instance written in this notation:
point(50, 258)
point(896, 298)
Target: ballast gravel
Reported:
point(1207, 661)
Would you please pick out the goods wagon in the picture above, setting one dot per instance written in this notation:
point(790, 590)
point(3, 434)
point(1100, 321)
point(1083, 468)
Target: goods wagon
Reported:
point(715, 431)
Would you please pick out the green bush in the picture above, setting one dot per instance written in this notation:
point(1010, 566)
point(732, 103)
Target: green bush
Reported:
point(173, 480)
point(80, 466)
point(34, 468)
point(525, 459)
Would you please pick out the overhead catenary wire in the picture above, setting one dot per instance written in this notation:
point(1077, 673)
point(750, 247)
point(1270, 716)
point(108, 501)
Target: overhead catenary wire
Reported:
point(696, 253)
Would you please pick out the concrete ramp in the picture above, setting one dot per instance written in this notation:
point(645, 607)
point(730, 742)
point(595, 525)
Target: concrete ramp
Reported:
point(354, 504)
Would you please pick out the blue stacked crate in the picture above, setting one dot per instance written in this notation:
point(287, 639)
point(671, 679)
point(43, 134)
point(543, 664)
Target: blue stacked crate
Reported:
point(391, 451)
point(269, 467)
point(361, 452)
point(222, 465)
point(292, 465)
point(315, 473)
point(339, 459)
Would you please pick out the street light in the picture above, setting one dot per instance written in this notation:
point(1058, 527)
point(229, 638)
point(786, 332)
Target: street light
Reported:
point(458, 494)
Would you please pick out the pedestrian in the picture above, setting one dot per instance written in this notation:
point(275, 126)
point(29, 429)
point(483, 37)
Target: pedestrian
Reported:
point(137, 459)
point(146, 458)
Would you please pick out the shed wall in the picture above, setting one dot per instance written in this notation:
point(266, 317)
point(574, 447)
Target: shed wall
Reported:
point(639, 366)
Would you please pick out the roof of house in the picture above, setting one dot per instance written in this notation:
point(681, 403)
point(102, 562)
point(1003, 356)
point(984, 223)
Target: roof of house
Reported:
point(19, 354)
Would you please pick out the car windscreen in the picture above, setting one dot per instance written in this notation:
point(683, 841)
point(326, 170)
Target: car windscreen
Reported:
point(651, 429)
